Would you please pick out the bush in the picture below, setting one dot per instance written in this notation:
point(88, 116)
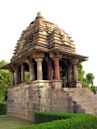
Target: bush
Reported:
point(67, 121)
point(51, 116)
point(2, 108)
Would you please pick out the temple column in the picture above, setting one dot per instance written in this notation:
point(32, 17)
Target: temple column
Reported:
point(39, 68)
point(56, 56)
point(75, 73)
point(16, 76)
point(76, 83)
point(31, 70)
point(12, 80)
point(69, 74)
point(49, 70)
point(22, 73)
point(12, 77)
point(75, 70)
point(19, 75)
point(56, 68)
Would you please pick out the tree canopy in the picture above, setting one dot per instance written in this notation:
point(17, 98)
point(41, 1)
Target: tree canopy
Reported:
point(5, 77)
point(86, 79)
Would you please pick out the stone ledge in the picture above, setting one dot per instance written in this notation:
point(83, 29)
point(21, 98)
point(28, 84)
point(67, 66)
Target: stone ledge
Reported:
point(40, 82)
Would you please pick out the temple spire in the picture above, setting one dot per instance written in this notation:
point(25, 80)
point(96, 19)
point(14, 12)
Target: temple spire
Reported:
point(39, 14)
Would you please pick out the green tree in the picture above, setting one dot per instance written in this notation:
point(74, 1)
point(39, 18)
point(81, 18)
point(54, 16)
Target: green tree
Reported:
point(86, 79)
point(2, 63)
point(82, 76)
point(81, 72)
point(90, 77)
point(5, 77)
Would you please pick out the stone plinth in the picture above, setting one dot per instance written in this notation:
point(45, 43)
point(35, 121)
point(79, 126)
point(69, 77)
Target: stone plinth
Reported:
point(40, 95)
point(25, 99)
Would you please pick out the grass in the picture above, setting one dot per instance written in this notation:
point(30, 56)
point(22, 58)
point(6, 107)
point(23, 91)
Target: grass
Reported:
point(12, 123)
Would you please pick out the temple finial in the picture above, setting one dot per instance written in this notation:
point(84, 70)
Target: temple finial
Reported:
point(39, 14)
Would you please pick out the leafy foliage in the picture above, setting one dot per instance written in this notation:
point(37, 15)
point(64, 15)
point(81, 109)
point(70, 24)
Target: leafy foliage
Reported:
point(5, 77)
point(64, 121)
point(2, 108)
point(90, 78)
point(50, 116)
point(2, 63)
point(86, 79)
point(81, 72)
point(27, 76)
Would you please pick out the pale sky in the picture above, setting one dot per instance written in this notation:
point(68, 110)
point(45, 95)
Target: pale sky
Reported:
point(76, 17)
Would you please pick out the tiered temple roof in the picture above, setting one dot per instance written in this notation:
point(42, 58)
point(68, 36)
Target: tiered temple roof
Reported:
point(45, 36)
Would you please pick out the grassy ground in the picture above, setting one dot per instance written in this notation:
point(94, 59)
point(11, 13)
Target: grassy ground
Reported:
point(12, 123)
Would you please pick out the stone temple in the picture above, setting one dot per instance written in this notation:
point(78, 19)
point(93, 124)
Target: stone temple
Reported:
point(48, 54)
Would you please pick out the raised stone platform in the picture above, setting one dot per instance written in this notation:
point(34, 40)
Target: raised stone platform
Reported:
point(24, 99)
point(42, 95)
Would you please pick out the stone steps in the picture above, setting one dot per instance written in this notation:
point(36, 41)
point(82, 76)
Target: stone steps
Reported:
point(85, 101)
point(78, 90)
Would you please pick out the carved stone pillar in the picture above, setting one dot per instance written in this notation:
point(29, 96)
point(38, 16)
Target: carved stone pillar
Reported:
point(39, 68)
point(19, 75)
point(75, 73)
point(76, 83)
point(75, 70)
point(49, 70)
point(56, 68)
point(22, 73)
point(16, 75)
point(38, 56)
point(69, 73)
point(12, 77)
point(56, 56)
point(31, 69)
